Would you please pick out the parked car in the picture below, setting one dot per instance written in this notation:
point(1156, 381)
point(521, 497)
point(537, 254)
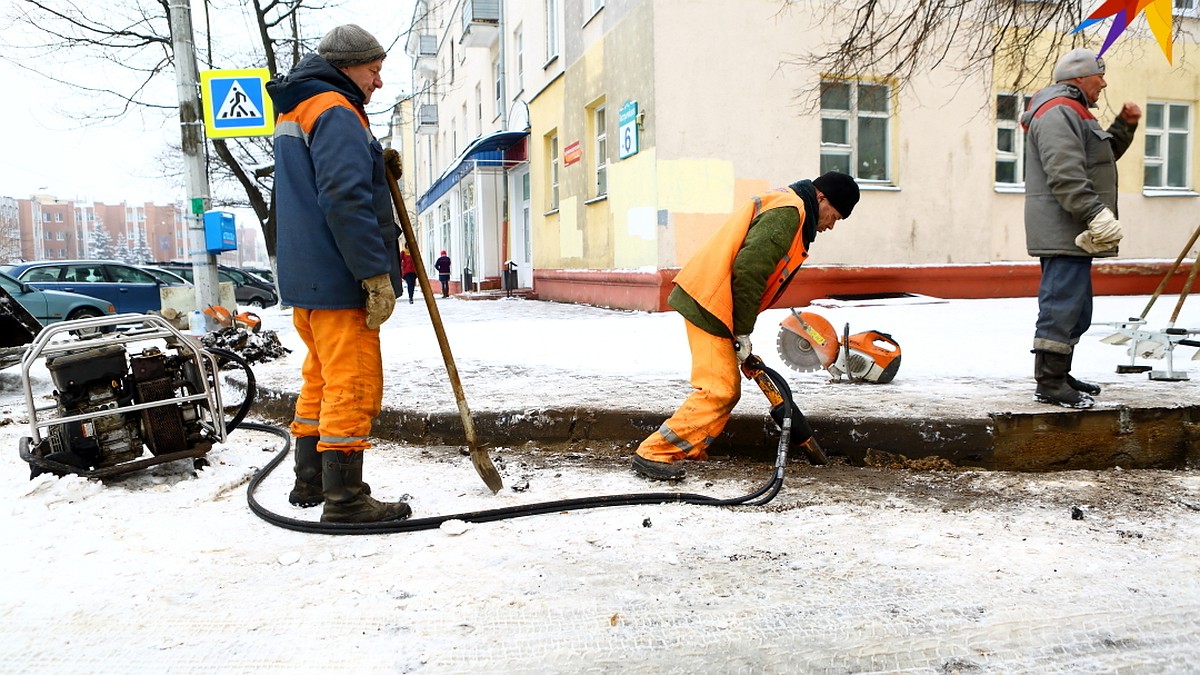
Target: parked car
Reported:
point(261, 272)
point(53, 306)
point(128, 288)
point(247, 288)
point(166, 276)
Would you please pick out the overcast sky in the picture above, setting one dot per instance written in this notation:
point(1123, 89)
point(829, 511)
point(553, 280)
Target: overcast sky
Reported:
point(45, 151)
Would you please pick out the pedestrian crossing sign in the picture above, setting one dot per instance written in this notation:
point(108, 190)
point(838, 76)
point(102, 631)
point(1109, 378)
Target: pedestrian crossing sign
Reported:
point(236, 103)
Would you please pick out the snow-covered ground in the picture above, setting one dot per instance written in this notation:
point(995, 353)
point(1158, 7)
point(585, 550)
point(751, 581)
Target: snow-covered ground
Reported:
point(849, 569)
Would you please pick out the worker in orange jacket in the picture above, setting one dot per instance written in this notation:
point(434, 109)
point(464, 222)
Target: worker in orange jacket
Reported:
point(739, 272)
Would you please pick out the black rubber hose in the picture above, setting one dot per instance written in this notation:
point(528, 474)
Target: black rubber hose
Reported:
point(251, 384)
point(432, 522)
point(757, 498)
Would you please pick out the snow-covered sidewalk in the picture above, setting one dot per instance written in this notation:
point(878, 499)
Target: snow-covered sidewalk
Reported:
point(849, 569)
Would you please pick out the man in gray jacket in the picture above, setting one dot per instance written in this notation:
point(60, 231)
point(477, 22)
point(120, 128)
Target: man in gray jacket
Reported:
point(1070, 213)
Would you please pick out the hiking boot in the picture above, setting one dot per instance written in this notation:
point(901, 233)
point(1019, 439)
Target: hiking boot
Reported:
point(1050, 371)
point(657, 470)
point(346, 496)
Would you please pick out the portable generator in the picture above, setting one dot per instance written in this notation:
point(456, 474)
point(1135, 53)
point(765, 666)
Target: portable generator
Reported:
point(144, 387)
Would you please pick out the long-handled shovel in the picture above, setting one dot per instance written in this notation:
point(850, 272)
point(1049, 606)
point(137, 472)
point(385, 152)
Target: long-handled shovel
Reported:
point(1121, 338)
point(483, 463)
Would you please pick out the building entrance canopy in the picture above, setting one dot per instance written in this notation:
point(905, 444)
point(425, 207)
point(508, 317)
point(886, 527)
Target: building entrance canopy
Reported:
point(483, 151)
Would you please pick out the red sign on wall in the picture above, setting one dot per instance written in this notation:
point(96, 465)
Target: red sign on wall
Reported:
point(572, 153)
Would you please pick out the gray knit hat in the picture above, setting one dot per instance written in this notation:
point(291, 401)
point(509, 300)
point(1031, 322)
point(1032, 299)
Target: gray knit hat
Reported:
point(1078, 63)
point(350, 45)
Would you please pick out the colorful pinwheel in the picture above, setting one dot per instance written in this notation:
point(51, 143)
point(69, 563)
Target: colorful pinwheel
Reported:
point(1158, 16)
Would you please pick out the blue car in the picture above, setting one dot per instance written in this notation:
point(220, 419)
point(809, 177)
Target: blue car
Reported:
point(53, 306)
point(128, 288)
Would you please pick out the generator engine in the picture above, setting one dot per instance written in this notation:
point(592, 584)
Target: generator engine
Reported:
point(94, 380)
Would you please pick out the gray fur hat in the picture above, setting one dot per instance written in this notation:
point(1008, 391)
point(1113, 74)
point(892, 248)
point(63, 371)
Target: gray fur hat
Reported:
point(350, 45)
point(1078, 63)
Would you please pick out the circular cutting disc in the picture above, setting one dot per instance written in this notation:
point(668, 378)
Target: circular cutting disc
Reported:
point(797, 352)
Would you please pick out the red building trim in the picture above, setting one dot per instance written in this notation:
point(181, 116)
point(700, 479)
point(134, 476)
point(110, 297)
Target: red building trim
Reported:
point(647, 291)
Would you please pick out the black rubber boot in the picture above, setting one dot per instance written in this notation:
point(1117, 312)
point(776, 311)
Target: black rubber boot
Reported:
point(1086, 387)
point(657, 470)
point(1050, 371)
point(347, 499)
point(307, 490)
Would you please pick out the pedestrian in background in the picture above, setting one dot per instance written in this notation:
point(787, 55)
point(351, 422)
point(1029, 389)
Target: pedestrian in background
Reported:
point(408, 269)
point(739, 272)
point(337, 243)
point(442, 265)
point(1070, 213)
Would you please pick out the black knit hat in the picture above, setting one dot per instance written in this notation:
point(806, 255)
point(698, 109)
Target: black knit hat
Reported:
point(350, 45)
point(840, 190)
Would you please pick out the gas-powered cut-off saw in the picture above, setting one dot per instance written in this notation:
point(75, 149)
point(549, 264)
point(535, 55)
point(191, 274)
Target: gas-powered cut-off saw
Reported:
point(807, 342)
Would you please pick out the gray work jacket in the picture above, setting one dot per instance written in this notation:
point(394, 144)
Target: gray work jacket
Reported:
point(1070, 169)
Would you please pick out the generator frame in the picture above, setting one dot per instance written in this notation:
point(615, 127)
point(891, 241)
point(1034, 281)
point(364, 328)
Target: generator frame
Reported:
point(134, 328)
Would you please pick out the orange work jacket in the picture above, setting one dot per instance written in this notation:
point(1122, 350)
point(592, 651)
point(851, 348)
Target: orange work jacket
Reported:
point(708, 276)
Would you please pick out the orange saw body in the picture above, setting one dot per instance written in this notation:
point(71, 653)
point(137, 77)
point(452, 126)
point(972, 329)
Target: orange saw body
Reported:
point(808, 342)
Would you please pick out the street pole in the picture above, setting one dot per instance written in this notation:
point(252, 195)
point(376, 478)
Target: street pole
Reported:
point(191, 127)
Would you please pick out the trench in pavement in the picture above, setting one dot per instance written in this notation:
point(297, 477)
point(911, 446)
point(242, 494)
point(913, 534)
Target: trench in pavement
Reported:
point(1126, 437)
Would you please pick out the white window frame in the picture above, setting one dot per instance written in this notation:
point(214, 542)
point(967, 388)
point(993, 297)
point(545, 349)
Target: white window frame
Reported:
point(519, 50)
point(600, 132)
point(852, 116)
point(1185, 8)
point(497, 75)
point(1160, 137)
point(552, 46)
point(1013, 125)
point(552, 143)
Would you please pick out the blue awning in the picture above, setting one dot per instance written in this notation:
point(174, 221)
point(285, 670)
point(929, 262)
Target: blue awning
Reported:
point(483, 151)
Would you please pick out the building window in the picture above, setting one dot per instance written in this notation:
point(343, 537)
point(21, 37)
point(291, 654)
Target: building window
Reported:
point(1010, 138)
point(552, 147)
point(519, 49)
point(551, 29)
point(479, 109)
point(600, 132)
point(58, 217)
point(444, 220)
point(855, 117)
point(1168, 132)
point(497, 76)
point(1187, 7)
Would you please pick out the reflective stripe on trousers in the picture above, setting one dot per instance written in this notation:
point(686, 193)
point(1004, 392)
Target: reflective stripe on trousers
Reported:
point(716, 388)
point(343, 378)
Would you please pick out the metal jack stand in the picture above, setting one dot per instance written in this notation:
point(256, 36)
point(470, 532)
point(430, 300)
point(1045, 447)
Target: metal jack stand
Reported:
point(1156, 344)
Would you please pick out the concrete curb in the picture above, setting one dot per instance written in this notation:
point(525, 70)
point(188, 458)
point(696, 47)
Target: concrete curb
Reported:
point(1131, 438)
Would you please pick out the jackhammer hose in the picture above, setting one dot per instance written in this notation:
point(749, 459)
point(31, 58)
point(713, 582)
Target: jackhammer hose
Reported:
point(251, 384)
point(761, 496)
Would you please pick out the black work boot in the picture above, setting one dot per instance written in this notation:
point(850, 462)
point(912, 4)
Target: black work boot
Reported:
point(1080, 385)
point(346, 496)
point(307, 490)
point(657, 470)
point(1050, 371)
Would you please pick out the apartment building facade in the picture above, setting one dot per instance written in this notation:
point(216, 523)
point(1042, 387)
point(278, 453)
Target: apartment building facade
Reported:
point(50, 229)
point(595, 144)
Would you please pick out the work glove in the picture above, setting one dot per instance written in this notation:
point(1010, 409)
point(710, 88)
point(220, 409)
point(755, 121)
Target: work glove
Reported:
point(1102, 234)
point(741, 344)
point(381, 299)
point(391, 160)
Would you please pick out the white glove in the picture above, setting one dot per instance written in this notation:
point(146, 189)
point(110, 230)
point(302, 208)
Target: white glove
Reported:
point(1103, 233)
point(741, 343)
